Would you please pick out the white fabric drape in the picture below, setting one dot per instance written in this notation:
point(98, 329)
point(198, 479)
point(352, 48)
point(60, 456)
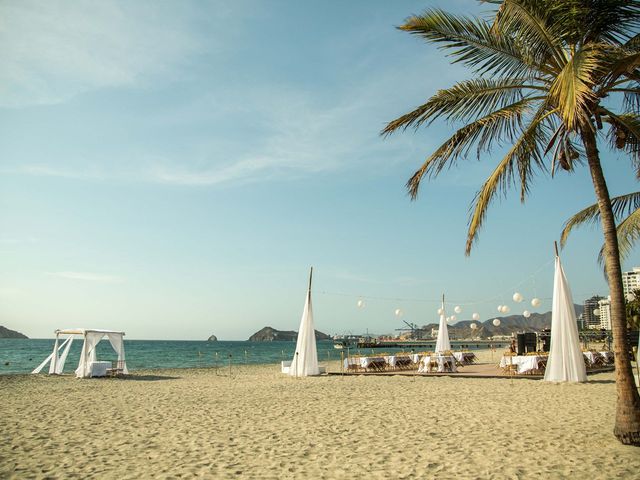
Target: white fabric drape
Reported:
point(305, 358)
point(63, 357)
point(566, 363)
point(442, 343)
point(117, 342)
point(88, 353)
point(54, 359)
point(48, 359)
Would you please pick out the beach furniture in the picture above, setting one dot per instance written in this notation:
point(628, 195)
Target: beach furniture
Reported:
point(89, 365)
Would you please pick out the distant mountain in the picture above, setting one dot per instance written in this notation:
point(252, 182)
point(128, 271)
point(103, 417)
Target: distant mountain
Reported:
point(268, 334)
point(508, 325)
point(212, 338)
point(6, 333)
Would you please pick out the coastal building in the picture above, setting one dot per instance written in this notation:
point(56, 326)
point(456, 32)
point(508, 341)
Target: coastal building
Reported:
point(604, 306)
point(630, 282)
point(589, 319)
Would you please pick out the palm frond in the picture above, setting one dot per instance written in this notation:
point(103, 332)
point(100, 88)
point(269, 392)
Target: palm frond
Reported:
point(624, 134)
point(502, 123)
point(526, 152)
point(572, 91)
point(527, 23)
point(628, 234)
point(622, 205)
point(463, 101)
point(472, 42)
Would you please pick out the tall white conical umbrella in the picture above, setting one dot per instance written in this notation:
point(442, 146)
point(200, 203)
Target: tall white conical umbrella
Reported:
point(566, 363)
point(442, 343)
point(305, 358)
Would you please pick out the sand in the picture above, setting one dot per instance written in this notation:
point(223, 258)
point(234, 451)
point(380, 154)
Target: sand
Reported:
point(261, 424)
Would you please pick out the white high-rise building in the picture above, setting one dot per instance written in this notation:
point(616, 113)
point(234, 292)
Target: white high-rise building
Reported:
point(604, 306)
point(630, 282)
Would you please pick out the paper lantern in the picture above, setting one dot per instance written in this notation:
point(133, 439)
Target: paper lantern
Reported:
point(452, 318)
point(473, 326)
point(535, 302)
point(526, 314)
point(476, 316)
point(517, 297)
point(596, 312)
point(398, 312)
point(457, 309)
point(505, 309)
point(496, 322)
point(440, 311)
point(360, 303)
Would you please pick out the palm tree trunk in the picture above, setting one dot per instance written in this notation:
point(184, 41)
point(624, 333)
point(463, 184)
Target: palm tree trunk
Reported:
point(627, 426)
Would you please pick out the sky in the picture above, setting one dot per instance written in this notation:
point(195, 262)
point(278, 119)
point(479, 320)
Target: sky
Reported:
point(174, 169)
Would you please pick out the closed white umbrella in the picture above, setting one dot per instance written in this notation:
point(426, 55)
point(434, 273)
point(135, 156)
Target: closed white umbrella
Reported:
point(442, 343)
point(305, 358)
point(566, 363)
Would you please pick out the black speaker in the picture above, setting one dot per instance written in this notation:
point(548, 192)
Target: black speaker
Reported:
point(530, 342)
point(521, 344)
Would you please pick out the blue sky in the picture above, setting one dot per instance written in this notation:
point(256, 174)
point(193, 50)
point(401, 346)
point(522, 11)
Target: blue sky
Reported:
point(173, 169)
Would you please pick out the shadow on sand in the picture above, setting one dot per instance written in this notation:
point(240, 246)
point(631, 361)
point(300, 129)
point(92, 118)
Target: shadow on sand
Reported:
point(147, 378)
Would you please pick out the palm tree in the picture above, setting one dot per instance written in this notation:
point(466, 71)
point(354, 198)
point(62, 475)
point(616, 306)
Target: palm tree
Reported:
point(545, 74)
point(626, 209)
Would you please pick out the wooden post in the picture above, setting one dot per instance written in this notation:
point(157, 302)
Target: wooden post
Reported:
point(230, 365)
point(555, 246)
point(296, 364)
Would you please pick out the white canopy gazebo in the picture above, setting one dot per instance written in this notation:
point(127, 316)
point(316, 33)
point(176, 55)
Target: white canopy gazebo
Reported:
point(565, 363)
point(89, 366)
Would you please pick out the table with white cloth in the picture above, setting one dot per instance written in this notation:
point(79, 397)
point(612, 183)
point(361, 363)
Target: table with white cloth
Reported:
point(366, 363)
point(445, 363)
point(99, 369)
point(398, 361)
point(415, 357)
point(465, 358)
point(608, 357)
point(524, 363)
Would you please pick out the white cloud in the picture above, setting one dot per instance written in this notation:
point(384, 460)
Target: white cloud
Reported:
point(87, 277)
point(55, 49)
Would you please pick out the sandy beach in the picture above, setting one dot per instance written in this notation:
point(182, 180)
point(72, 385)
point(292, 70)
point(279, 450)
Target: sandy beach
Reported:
point(258, 423)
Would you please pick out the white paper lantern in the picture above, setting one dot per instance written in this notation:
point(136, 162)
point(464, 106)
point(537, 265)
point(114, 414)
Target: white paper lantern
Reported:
point(496, 322)
point(526, 314)
point(517, 297)
point(535, 302)
point(596, 312)
point(473, 326)
point(360, 303)
point(452, 318)
point(506, 309)
point(440, 311)
point(500, 308)
point(457, 309)
point(476, 316)
point(398, 312)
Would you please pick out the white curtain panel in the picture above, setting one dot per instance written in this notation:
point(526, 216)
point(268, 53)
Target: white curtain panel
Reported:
point(54, 357)
point(63, 357)
point(305, 358)
point(566, 362)
point(88, 353)
point(117, 342)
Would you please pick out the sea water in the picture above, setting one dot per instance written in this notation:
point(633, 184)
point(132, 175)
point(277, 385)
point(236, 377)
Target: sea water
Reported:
point(23, 355)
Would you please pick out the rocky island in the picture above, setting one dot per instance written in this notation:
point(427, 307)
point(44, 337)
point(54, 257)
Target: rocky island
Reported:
point(212, 338)
point(269, 334)
point(6, 333)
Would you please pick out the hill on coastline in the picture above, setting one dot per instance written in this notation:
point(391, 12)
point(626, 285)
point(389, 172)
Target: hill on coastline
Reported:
point(6, 333)
point(269, 334)
point(508, 325)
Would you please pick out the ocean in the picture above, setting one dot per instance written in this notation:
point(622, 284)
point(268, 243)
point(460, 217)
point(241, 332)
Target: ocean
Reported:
point(23, 355)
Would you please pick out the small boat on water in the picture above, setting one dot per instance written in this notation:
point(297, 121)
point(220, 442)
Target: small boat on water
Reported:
point(345, 341)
